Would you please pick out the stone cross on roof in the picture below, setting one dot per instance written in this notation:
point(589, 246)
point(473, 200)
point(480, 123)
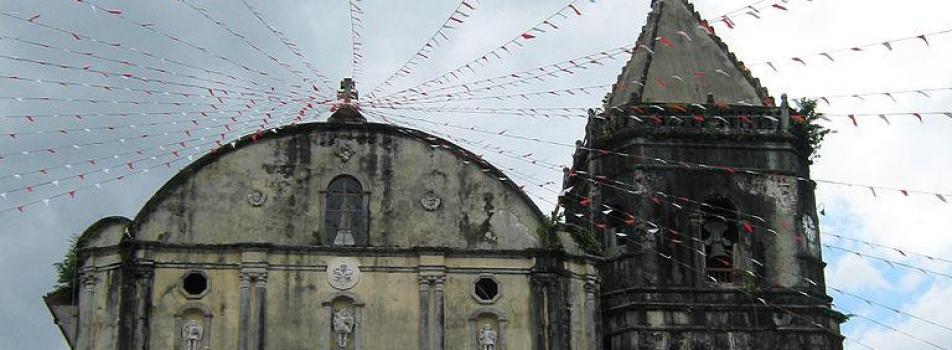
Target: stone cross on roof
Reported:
point(348, 110)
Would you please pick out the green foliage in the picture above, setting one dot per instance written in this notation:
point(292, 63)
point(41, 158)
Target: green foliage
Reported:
point(66, 270)
point(548, 232)
point(815, 133)
point(587, 241)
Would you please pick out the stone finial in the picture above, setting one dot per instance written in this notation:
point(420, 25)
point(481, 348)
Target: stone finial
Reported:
point(784, 113)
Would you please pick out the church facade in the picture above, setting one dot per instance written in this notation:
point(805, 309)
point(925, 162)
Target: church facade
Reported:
point(355, 235)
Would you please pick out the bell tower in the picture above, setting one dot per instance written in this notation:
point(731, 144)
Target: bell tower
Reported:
point(697, 186)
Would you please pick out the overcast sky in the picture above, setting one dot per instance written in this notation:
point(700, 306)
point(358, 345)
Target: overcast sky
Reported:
point(903, 154)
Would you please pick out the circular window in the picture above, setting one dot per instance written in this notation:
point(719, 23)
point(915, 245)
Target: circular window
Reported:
point(486, 289)
point(195, 284)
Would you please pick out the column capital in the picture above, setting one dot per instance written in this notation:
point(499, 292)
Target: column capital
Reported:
point(439, 282)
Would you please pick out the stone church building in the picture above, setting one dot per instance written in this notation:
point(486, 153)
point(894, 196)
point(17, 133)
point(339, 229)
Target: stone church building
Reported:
point(685, 229)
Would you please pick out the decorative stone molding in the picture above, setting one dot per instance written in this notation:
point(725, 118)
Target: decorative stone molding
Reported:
point(343, 273)
point(344, 152)
point(430, 201)
point(256, 198)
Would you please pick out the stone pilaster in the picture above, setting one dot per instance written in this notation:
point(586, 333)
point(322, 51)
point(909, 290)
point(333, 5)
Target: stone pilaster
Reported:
point(87, 304)
point(244, 309)
point(424, 312)
point(143, 306)
point(439, 283)
point(592, 313)
point(258, 335)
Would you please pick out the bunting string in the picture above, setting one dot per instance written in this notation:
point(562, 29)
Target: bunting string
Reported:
point(126, 63)
point(357, 40)
point(150, 27)
point(244, 39)
point(55, 149)
point(141, 170)
point(828, 55)
point(135, 167)
point(687, 165)
point(456, 19)
point(558, 69)
point(291, 46)
point(111, 75)
point(78, 36)
point(542, 27)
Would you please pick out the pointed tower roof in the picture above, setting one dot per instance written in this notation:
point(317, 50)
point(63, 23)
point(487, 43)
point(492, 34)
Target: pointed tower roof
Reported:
point(679, 59)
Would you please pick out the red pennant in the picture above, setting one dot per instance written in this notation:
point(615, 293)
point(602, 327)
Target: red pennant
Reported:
point(528, 36)
point(747, 227)
point(798, 119)
point(585, 201)
point(904, 193)
point(72, 194)
point(630, 221)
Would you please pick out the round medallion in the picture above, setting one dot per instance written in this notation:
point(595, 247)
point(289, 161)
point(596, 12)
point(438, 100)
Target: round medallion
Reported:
point(256, 198)
point(430, 201)
point(343, 273)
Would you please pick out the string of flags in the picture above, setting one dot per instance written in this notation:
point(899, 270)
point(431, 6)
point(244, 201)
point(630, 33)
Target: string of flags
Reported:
point(357, 40)
point(523, 95)
point(655, 119)
point(903, 252)
point(291, 46)
point(563, 68)
point(751, 11)
point(244, 39)
point(78, 36)
point(111, 74)
point(221, 97)
point(828, 55)
point(654, 228)
point(150, 27)
point(658, 197)
point(135, 168)
point(725, 169)
point(196, 132)
point(236, 88)
point(77, 146)
point(456, 19)
point(550, 23)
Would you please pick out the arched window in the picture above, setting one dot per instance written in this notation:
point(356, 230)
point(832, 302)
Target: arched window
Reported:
point(345, 213)
point(720, 235)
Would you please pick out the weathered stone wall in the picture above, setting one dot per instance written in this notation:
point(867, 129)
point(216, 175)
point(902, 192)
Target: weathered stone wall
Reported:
point(266, 263)
point(208, 202)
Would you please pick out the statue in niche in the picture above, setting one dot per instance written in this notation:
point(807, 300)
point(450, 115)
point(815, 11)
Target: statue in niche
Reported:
point(345, 236)
point(192, 333)
point(487, 338)
point(343, 325)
